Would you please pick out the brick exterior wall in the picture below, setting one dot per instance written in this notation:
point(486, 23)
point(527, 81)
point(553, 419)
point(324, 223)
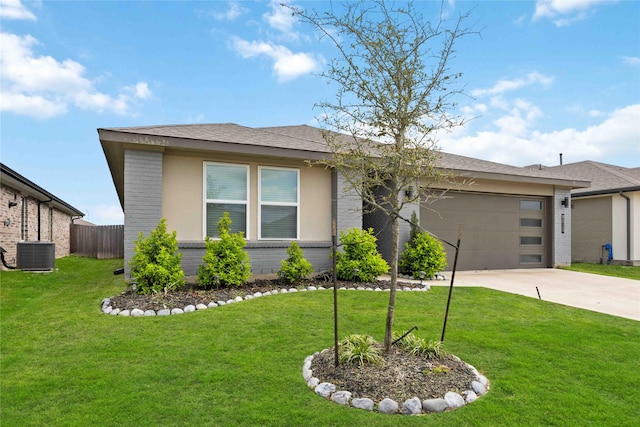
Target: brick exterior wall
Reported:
point(265, 256)
point(349, 206)
point(142, 197)
point(379, 221)
point(561, 238)
point(20, 222)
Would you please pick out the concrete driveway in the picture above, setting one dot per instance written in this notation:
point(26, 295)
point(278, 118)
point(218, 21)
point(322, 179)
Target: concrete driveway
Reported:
point(610, 295)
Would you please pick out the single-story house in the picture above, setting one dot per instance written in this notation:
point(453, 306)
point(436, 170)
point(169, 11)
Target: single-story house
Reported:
point(608, 212)
point(190, 174)
point(31, 215)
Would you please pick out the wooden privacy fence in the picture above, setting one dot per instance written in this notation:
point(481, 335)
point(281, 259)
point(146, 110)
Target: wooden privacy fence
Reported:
point(100, 241)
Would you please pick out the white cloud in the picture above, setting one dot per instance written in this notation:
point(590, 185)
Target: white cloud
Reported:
point(631, 60)
point(233, 11)
point(34, 106)
point(286, 64)
point(508, 85)
point(14, 9)
point(281, 18)
point(140, 90)
point(41, 86)
point(565, 12)
point(105, 215)
point(512, 142)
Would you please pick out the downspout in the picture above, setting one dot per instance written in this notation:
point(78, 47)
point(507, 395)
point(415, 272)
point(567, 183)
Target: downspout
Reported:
point(40, 202)
point(628, 224)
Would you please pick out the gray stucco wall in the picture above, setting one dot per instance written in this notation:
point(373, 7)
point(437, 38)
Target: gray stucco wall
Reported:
point(142, 197)
point(561, 228)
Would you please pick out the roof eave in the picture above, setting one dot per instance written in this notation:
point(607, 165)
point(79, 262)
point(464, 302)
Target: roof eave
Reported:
point(570, 183)
point(14, 180)
point(605, 191)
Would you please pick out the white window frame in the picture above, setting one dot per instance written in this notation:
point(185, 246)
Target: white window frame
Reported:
point(225, 201)
point(261, 203)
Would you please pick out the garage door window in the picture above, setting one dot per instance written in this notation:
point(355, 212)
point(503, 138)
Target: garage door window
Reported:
point(530, 259)
point(530, 205)
point(530, 222)
point(530, 240)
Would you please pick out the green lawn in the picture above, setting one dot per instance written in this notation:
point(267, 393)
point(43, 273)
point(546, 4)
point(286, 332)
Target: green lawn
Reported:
point(624, 271)
point(63, 362)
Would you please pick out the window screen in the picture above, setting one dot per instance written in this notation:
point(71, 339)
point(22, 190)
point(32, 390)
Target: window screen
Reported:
point(226, 190)
point(278, 203)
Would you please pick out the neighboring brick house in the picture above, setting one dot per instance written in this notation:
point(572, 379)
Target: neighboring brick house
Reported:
point(30, 213)
point(189, 174)
point(606, 212)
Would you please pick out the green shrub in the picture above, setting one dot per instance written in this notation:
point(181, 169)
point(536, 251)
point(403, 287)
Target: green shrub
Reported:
point(156, 263)
point(226, 263)
point(295, 268)
point(419, 346)
point(359, 349)
point(360, 258)
point(423, 253)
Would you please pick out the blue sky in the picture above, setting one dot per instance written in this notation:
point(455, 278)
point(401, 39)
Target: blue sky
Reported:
point(544, 77)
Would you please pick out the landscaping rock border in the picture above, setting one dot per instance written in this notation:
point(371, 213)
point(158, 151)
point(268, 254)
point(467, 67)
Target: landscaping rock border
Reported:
point(414, 406)
point(107, 308)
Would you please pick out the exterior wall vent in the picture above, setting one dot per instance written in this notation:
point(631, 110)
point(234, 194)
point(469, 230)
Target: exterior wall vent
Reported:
point(36, 256)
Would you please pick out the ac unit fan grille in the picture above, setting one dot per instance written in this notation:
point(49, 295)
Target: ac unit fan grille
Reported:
point(36, 256)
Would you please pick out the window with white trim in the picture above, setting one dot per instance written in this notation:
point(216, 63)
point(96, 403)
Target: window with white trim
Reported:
point(226, 189)
point(279, 203)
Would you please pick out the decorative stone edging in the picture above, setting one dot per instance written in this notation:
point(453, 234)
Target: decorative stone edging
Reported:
point(108, 309)
point(413, 406)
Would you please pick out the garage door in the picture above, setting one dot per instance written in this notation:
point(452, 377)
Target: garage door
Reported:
point(499, 232)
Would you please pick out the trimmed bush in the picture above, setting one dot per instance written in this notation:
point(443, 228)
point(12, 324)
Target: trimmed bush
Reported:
point(156, 263)
point(360, 258)
point(226, 263)
point(423, 253)
point(295, 268)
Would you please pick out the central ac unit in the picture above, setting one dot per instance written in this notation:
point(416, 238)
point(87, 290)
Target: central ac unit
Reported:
point(36, 256)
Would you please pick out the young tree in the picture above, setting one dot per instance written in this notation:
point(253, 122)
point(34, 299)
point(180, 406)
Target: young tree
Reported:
point(394, 92)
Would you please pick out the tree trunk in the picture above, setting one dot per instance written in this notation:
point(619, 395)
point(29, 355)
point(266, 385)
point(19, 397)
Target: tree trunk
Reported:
point(388, 332)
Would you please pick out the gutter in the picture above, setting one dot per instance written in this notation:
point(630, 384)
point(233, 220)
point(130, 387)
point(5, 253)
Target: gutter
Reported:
point(15, 177)
point(578, 194)
point(628, 224)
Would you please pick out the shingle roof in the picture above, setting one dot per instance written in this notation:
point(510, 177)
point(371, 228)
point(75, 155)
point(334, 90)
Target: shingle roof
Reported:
point(446, 161)
point(303, 138)
point(604, 177)
point(230, 133)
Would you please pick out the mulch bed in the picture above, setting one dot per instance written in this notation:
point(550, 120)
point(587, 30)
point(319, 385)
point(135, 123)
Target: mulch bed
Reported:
point(192, 294)
point(401, 376)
